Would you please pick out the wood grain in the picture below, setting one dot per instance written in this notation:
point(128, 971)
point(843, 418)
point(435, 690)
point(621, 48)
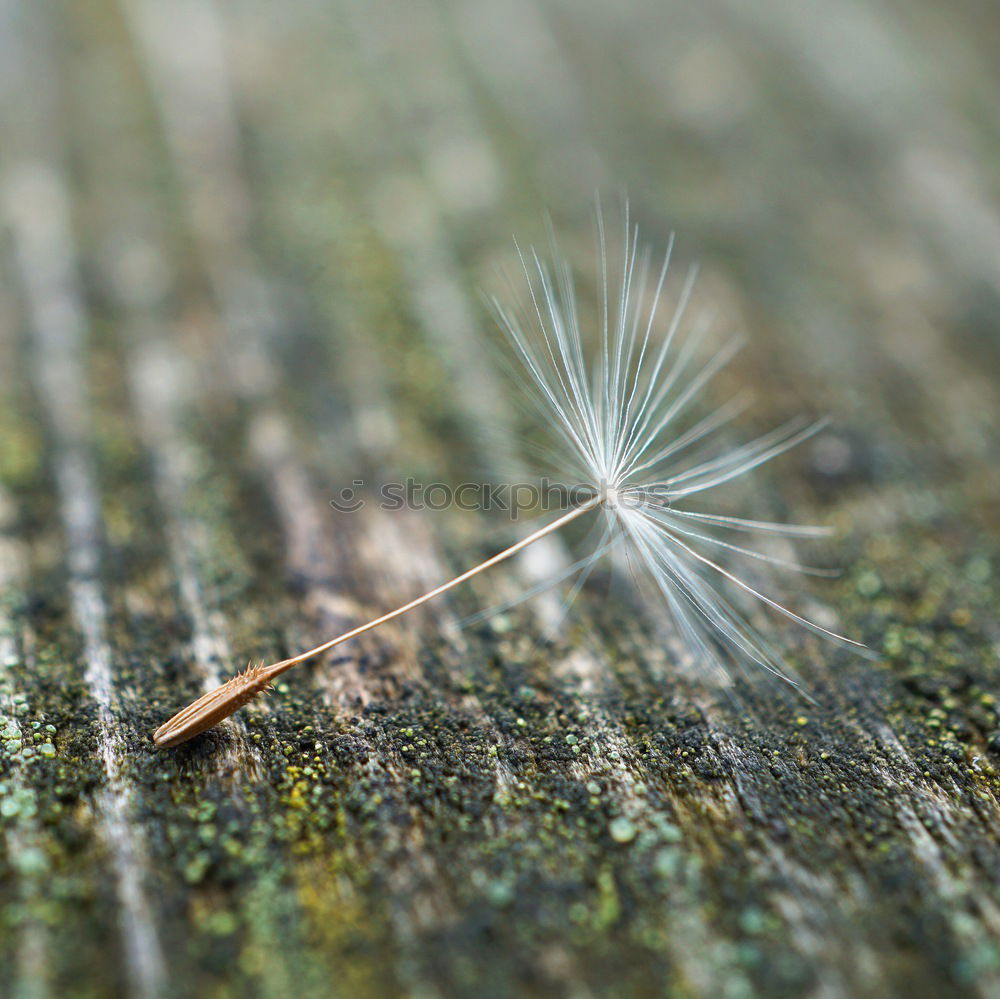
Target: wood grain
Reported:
point(242, 253)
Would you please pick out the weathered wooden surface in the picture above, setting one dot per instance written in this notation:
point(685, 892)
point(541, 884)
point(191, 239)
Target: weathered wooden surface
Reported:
point(241, 251)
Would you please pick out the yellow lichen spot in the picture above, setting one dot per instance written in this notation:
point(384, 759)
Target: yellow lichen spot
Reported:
point(297, 795)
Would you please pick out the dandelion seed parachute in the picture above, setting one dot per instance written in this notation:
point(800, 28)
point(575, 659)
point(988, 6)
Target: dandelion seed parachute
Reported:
point(621, 415)
point(619, 408)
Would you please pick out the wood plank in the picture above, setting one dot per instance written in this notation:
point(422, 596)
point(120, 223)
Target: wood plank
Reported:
point(242, 261)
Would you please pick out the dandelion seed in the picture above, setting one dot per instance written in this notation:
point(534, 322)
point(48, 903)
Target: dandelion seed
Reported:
point(621, 416)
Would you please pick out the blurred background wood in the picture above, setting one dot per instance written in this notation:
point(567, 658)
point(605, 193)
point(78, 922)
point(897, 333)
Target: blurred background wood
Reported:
point(242, 250)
